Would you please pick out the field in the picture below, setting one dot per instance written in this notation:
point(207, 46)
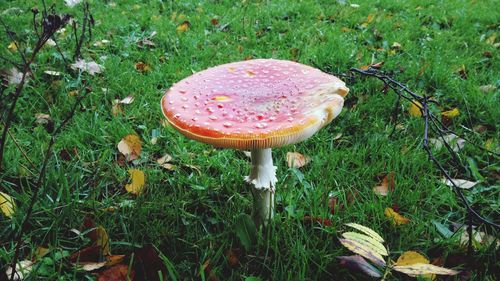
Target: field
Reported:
point(190, 211)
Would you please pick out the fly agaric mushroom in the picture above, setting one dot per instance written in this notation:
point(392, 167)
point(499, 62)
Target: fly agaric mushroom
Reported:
point(255, 105)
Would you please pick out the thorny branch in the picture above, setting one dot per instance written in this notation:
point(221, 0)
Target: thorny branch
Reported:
point(431, 123)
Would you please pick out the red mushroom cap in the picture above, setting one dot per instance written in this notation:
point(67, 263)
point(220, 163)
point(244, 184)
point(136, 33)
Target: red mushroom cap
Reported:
point(259, 103)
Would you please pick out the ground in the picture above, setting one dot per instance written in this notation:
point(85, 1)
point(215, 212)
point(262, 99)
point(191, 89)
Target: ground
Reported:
point(444, 49)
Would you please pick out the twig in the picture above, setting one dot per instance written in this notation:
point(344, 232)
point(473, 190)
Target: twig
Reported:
point(39, 183)
point(22, 151)
point(404, 92)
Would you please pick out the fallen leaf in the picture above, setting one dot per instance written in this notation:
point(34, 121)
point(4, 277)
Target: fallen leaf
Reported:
point(163, 162)
point(40, 253)
point(422, 268)
point(321, 221)
point(366, 230)
point(453, 140)
point(451, 113)
point(72, 3)
point(149, 266)
point(14, 76)
point(233, 257)
point(488, 88)
point(363, 251)
point(103, 240)
point(116, 108)
point(479, 238)
point(12, 46)
point(42, 118)
point(142, 67)
point(463, 184)
point(86, 255)
point(207, 271)
point(119, 272)
point(87, 66)
point(411, 257)
point(396, 218)
point(23, 269)
point(101, 43)
point(462, 72)
point(7, 205)
point(91, 266)
point(138, 180)
point(183, 26)
point(52, 73)
point(332, 203)
point(130, 146)
point(358, 263)
point(415, 109)
point(214, 21)
point(367, 241)
point(491, 39)
point(386, 185)
point(297, 160)
point(127, 100)
point(396, 46)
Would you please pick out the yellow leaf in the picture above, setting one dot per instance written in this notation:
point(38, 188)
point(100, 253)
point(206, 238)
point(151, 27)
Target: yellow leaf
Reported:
point(367, 241)
point(451, 113)
point(130, 146)
point(183, 27)
point(12, 46)
point(363, 250)
point(397, 219)
point(138, 180)
point(7, 204)
point(415, 109)
point(103, 240)
point(296, 160)
point(411, 257)
point(491, 40)
point(366, 230)
point(422, 268)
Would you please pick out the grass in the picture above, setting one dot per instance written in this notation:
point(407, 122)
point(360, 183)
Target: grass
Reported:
point(188, 215)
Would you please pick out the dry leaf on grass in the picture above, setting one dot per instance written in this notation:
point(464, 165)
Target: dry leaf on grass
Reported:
point(297, 160)
point(88, 66)
point(23, 269)
point(453, 140)
point(119, 272)
point(103, 240)
point(142, 67)
point(358, 263)
point(451, 113)
point(415, 109)
point(7, 204)
point(183, 26)
point(396, 218)
point(138, 181)
point(463, 184)
point(387, 184)
point(412, 257)
point(164, 162)
point(130, 146)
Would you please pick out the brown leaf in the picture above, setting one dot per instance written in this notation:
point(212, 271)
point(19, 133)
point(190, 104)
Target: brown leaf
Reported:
point(214, 21)
point(142, 67)
point(386, 185)
point(119, 272)
point(148, 264)
point(88, 254)
point(297, 160)
point(332, 203)
point(322, 221)
point(130, 146)
point(103, 240)
point(207, 271)
point(233, 257)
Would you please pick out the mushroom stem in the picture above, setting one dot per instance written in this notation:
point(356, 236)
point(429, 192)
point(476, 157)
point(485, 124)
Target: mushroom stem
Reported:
point(263, 178)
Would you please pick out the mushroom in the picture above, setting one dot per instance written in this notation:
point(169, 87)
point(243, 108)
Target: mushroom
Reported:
point(255, 105)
